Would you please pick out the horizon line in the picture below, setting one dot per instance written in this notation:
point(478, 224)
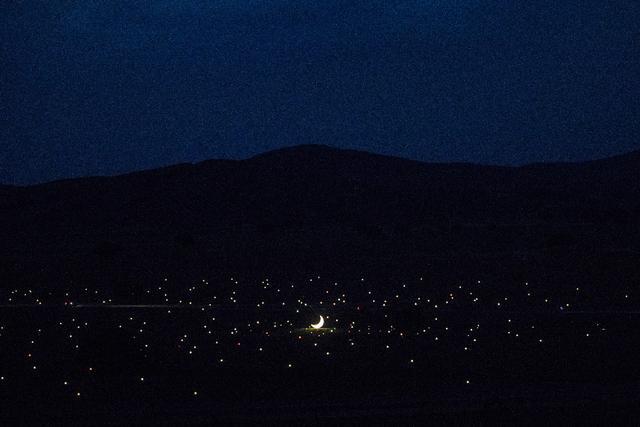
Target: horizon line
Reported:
point(316, 146)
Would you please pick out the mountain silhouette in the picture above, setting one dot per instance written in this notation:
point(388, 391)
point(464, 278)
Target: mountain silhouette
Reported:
point(313, 208)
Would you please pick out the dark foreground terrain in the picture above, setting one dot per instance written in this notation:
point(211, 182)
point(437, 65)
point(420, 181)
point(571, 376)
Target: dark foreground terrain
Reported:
point(450, 293)
point(242, 352)
point(315, 208)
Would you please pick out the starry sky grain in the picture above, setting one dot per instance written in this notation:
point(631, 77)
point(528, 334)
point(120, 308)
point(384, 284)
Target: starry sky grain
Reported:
point(92, 87)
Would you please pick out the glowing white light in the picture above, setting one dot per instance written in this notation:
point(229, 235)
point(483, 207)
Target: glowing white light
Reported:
point(318, 325)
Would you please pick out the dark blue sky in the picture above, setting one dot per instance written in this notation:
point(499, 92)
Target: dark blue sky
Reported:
point(103, 87)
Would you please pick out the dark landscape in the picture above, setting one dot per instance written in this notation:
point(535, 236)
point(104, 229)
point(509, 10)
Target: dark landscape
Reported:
point(319, 212)
point(449, 291)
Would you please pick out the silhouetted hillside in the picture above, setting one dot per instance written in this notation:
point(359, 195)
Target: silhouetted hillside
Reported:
point(316, 208)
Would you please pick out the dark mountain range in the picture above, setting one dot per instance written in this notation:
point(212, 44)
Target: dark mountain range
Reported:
point(311, 208)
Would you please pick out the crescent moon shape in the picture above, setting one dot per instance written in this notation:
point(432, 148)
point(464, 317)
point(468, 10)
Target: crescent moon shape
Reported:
point(319, 324)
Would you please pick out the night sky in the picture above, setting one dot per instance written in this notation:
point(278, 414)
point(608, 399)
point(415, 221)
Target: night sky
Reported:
point(103, 87)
